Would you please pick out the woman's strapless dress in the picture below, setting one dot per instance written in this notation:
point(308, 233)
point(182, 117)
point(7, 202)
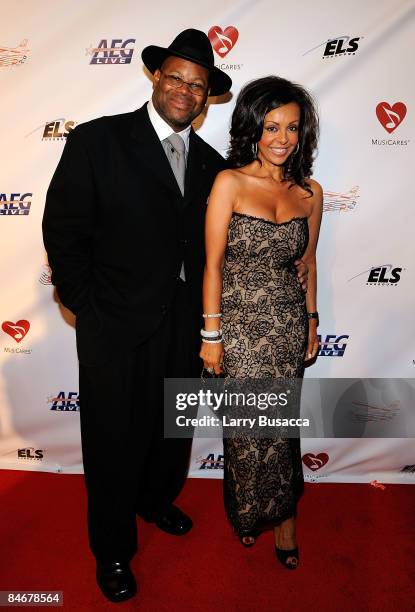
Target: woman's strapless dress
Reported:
point(265, 329)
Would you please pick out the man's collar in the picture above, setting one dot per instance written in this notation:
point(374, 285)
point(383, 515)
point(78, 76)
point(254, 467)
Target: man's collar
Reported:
point(163, 130)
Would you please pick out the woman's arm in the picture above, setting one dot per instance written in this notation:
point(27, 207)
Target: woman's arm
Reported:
point(218, 215)
point(314, 222)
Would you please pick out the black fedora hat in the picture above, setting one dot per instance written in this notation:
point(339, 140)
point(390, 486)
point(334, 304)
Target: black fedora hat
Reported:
point(194, 46)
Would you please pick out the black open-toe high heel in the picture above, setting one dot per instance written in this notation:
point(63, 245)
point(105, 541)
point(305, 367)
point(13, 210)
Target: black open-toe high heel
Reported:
point(252, 535)
point(284, 555)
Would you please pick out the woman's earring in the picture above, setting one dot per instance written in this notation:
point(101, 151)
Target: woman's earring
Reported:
point(297, 148)
point(255, 149)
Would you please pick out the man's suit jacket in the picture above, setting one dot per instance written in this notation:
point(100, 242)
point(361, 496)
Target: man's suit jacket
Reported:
point(117, 228)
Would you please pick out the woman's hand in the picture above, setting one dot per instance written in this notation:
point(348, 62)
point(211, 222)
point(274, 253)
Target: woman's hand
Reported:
point(302, 273)
point(212, 355)
point(312, 347)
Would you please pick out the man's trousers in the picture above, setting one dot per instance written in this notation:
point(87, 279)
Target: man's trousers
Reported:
point(129, 466)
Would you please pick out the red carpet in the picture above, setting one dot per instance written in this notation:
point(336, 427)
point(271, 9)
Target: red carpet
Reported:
point(357, 546)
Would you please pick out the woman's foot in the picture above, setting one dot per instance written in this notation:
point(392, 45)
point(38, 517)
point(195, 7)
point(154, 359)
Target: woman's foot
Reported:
point(249, 538)
point(286, 544)
point(248, 541)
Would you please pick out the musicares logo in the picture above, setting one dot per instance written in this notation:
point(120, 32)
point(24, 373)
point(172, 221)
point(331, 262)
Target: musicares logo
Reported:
point(315, 462)
point(223, 41)
point(16, 330)
point(390, 116)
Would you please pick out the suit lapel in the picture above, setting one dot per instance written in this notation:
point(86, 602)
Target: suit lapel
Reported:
point(150, 152)
point(195, 168)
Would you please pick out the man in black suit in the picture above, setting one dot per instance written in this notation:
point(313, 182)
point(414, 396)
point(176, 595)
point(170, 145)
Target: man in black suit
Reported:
point(126, 248)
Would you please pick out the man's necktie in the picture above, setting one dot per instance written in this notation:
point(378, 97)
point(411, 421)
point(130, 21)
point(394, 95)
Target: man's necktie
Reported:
point(176, 154)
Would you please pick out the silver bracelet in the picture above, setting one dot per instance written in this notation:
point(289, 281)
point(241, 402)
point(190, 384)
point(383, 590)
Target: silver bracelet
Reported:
point(214, 333)
point(217, 315)
point(218, 341)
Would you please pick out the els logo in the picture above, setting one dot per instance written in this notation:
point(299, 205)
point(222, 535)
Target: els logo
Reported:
point(65, 402)
point(223, 41)
point(315, 462)
point(210, 463)
point(58, 129)
point(15, 203)
point(338, 46)
point(385, 275)
point(30, 453)
point(332, 345)
point(390, 116)
point(343, 45)
point(115, 53)
point(16, 330)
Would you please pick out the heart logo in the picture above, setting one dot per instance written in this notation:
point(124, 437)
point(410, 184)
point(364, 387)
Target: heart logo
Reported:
point(390, 116)
point(16, 330)
point(315, 462)
point(223, 40)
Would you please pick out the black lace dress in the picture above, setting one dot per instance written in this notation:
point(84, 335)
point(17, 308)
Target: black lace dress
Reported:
point(265, 329)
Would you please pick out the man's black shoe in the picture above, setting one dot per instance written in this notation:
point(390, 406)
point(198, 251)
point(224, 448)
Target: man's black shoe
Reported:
point(116, 580)
point(174, 521)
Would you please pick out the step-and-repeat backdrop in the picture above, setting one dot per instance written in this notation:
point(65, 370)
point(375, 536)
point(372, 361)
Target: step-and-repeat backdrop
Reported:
point(63, 63)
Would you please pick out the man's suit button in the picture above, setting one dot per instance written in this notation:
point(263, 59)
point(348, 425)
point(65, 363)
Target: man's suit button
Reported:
point(184, 241)
point(163, 308)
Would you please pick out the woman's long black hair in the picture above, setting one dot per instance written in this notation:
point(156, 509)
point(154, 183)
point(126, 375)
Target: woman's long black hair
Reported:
point(255, 100)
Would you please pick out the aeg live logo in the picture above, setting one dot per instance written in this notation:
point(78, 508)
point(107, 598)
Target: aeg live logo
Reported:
point(211, 462)
point(15, 203)
point(332, 345)
point(114, 53)
point(66, 402)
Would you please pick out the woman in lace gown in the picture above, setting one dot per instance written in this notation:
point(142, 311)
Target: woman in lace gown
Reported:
point(264, 216)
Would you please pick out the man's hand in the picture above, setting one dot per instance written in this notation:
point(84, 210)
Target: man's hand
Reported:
point(302, 273)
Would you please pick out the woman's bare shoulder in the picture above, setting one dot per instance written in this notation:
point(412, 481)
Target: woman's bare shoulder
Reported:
point(229, 175)
point(228, 179)
point(316, 188)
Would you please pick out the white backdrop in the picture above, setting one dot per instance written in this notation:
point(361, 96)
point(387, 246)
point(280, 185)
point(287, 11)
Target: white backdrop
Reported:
point(354, 56)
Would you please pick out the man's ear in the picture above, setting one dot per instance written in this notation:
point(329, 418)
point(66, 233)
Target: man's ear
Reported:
point(157, 75)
